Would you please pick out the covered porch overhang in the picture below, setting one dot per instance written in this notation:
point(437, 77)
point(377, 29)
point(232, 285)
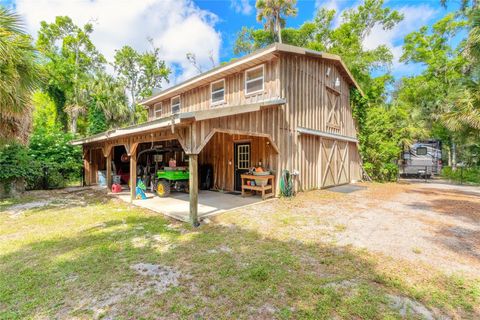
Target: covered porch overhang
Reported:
point(182, 127)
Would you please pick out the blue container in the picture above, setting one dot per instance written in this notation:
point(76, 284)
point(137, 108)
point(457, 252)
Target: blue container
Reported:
point(102, 180)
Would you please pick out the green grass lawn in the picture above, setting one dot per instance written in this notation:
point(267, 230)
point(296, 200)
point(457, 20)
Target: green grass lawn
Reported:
point(73, 258)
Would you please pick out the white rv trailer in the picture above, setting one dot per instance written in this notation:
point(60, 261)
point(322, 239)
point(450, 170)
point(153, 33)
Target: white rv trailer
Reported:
point(422, 159)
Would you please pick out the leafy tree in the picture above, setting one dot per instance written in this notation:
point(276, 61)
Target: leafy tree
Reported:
point(465, 109)
point(435, 92)
point(44, 112)
point(273, 13)
point(70, 60)
point(19, 77)
point(141, 72)
point(97, 121)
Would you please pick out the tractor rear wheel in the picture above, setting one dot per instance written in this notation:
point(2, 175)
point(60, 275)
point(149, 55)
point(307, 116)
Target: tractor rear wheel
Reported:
point(162, 188)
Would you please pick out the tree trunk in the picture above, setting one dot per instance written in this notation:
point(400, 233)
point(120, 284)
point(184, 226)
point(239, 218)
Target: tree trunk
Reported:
point(74, 123)
point(454, 156)
point(134, 98)
point(279, 29)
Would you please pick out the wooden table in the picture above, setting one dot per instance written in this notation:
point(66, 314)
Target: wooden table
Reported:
point(269, 186)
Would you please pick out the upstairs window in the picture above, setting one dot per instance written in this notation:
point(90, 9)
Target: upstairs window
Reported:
point(254, 79)
point(175, 104)
point(218, 92)
point(157, 110)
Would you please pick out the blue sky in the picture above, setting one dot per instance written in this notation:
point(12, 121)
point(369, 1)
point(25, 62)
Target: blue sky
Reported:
point(206, 28)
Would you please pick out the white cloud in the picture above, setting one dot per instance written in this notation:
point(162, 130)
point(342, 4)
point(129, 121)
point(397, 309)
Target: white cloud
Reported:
point(329, 4)
point(241, 6)
point(339, 6)
point(176, 26)
point(414, 18)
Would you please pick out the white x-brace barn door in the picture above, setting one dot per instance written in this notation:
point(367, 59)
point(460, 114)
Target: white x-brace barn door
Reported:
point(335, 162)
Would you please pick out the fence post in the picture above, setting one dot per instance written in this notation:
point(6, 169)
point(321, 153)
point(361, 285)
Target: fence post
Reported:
point(45, 177)
point(461, 175)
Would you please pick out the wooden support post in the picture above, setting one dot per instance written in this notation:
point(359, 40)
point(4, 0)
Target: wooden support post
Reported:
point(133, 174)
point(193, 177)
point(109, 171)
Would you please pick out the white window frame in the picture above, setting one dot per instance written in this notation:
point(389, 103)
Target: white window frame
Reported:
point(211, 93)
point(155, 111)
point(179, 104)
point(251, 80)
point(243, 149)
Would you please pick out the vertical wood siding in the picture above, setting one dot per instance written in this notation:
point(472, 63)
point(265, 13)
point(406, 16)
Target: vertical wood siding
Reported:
point(200, 98)
point(219, 152)
point(314, 101)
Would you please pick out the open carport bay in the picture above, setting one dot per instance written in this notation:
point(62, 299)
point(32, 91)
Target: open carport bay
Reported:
point(177, 205)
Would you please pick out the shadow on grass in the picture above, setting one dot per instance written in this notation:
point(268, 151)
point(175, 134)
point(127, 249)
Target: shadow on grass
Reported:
point(227, 272)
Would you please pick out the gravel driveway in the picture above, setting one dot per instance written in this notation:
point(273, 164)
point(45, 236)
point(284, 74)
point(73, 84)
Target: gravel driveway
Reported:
point(434, 222)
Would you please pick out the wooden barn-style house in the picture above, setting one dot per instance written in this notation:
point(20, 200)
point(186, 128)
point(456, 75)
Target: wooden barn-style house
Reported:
point(279, 108)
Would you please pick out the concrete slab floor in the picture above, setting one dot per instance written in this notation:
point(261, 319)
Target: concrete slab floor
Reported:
point(177, 205)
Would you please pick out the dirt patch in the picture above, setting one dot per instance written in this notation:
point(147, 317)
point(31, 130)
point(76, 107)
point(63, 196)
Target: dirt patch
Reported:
point(18, 209)
point(462, 204)
point(160, 278)
point(408, 308)
point(151, 278)
point(433, 223)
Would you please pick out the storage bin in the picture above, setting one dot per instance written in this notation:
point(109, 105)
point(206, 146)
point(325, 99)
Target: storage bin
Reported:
point(116, 179)
point(102, 180)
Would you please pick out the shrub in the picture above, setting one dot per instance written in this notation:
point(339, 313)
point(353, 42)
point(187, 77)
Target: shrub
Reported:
point(471, 175)
point(14, 163)
point(55, 161)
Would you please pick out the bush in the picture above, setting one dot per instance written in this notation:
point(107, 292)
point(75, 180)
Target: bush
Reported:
point(471, 175)
point(14, 164)
point(55, 162)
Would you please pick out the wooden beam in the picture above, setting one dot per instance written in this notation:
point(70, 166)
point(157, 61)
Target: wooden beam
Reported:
point(133, 172)
point(193, 185)
point(107, 149)
point(183, 137)
point(86, 168)
point(109, 171)
point(236, 132)
point(131, 148)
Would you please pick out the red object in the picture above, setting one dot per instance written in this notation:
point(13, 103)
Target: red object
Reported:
point(125, 176)
point(116, 188)
point(124, 158)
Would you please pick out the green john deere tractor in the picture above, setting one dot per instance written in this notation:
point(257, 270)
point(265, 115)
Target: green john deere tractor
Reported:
point(157, 175)
point(171, 179)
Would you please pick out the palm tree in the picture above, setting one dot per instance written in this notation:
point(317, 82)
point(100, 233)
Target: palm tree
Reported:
point(464, 112)
point(19, 76)
point(109, 95)
point(274, 13)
